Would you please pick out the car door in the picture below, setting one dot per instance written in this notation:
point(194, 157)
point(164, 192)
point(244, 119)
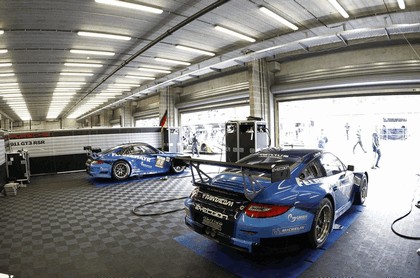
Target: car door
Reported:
point(157, 162)
point(144, 162)
point(337, 178)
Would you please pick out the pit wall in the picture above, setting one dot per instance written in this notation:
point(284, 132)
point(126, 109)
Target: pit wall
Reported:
point(63, 150)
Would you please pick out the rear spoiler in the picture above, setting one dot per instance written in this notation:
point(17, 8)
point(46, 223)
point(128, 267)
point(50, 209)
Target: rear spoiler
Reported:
point(277, 172)
point(251, 189)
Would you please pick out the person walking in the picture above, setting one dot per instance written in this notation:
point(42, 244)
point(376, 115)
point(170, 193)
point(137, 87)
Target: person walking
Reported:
point(194, 148)
point(376, 150)
point(359, 140)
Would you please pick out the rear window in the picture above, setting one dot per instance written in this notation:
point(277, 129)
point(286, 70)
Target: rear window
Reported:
point(271, 158)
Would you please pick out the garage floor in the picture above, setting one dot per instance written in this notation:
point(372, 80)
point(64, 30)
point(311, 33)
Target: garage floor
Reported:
point(69, 225)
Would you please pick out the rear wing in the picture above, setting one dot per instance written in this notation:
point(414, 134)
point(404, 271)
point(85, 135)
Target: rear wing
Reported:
point(251, 189)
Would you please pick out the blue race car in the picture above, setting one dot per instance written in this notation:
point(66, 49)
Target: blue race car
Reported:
point(273, 195)
point(133, 159)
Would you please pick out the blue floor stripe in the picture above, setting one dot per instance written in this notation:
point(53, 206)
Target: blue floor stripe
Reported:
point(245, 265)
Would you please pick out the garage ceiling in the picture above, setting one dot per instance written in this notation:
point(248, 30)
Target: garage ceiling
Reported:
point(52, 67)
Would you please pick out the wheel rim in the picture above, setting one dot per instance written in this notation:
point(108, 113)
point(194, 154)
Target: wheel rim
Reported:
point(323, 224)
point(121, 170)
point(363, 192)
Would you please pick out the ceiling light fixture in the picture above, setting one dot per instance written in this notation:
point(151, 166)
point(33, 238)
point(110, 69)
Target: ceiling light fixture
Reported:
point(401, 4)
point(75, 73)
point(82, 65)
point(2, 51)
point(170, 61)
point(1, 32)
point(103, 35)
point(234, 33)
point(7, 74)
point(339, 8)
point(130, 6)
point(70, 83)
point(61, 89)
point(278, 18)
point(8, 84)
point(140, 77)
point(3, 65)
point(14, 90)
point(92, 52)
point(154, 70)
point(195, 50)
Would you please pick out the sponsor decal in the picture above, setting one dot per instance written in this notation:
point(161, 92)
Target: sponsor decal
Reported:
point(212, 223)
point(280, 231)
point(146, 165)
point(210, 212)
point(27, 143)
point(160, 162)
point(217, 200)
point(294, 218)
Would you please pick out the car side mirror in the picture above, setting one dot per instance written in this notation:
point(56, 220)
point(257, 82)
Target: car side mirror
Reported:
point(350, 168)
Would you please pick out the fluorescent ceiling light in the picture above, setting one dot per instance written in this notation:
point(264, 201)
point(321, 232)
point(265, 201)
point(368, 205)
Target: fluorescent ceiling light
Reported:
point(140, 77)
point(195, 50)
point(2, 51)
point(82, 65)
point(233, 33)
point(11, 95)
point(64, 93)
point(92, 52)
point(3, 65)
point(8, 84)
point(339, 8)
point(1, 32)
point(9, 90)
point(7, 74)
point(66, 89)
point(103, 35)
point(278, 18)
point(401, 4)
point(115, 90)
point(70, 83)
point(76, 73)
point(130, 6)
point(154, 70)
point(170, 61)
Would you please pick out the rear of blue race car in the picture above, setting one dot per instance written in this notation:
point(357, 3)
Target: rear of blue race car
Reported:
point(223, 210)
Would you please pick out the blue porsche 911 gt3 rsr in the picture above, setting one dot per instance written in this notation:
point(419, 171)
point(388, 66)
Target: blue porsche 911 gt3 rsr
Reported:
point(273, 195)
point(133, 159)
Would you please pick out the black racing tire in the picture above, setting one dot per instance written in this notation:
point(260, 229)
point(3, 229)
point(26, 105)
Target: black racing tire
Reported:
point(121, 170)
point(177, 169)
point(360, 196)
point(322, 224)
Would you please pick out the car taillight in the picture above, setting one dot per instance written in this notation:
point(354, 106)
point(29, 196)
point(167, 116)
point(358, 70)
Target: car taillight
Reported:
point(98, 162)
point(255, 210)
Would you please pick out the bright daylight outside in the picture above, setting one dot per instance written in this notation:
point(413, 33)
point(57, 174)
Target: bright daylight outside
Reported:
point(346, 126)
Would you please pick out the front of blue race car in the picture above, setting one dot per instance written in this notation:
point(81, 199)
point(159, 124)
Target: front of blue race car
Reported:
point(128, 160)
point(263, 200)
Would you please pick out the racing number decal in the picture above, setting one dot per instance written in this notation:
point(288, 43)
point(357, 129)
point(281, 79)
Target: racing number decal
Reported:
point(160, 161)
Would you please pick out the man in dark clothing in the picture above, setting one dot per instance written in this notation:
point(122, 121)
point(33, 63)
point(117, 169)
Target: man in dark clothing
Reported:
point(194, 148)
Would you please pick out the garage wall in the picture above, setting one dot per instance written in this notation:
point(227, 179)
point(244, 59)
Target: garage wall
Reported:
point(385, 70)
point(62, 150)
point(2, 159)
point(227, 90)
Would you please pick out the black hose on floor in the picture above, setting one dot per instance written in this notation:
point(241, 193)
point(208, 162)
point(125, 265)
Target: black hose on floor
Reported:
point(157, 202)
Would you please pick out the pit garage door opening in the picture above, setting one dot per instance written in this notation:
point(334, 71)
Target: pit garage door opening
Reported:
point(209, 128)
point(305, 123)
